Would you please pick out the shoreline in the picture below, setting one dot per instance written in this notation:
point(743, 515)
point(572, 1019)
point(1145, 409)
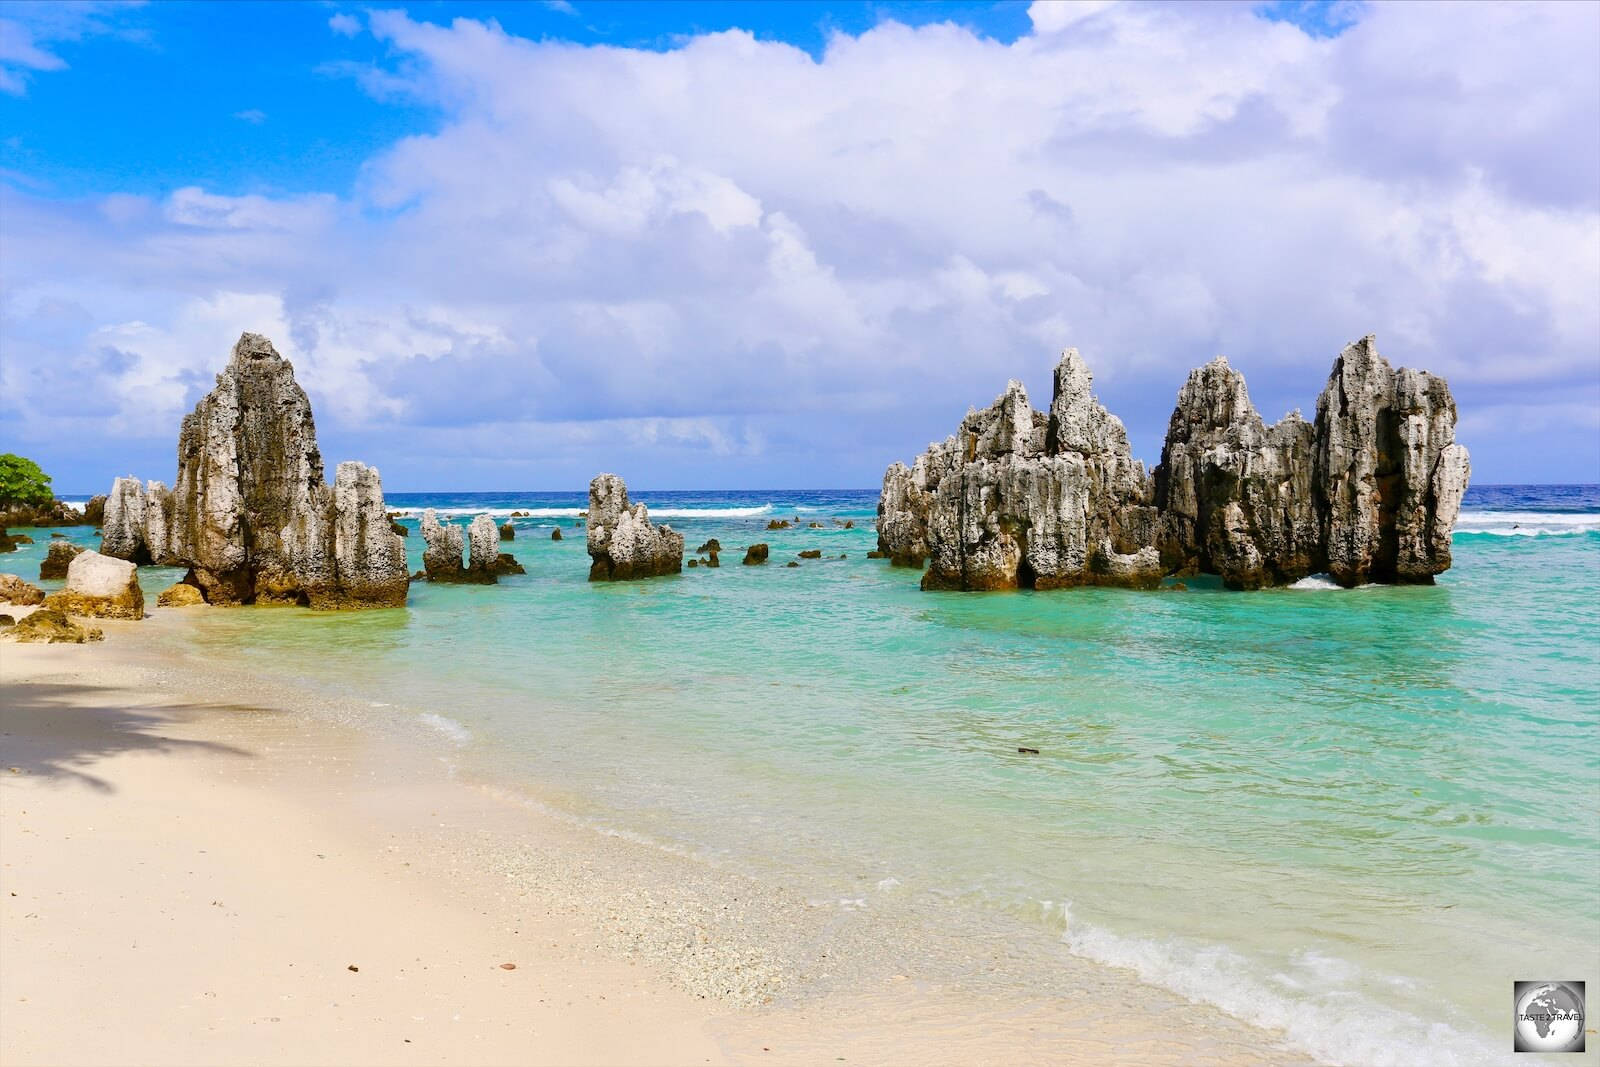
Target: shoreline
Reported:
point(621, 940)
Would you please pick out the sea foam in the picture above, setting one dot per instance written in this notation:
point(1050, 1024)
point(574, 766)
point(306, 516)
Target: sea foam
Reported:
point(1527, 523)
point(1315, 1007)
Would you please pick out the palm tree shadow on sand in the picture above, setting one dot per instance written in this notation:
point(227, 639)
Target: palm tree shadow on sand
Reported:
point(57, 731)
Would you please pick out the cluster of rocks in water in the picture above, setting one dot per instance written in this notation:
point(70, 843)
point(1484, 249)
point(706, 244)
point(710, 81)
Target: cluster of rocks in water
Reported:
point(442, 559)
point(251, 515)
point(1019, 498)
point(55, 513)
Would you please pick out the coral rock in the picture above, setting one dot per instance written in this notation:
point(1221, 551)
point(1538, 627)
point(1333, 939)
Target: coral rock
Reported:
point(14, 590)
point(251, 514)
point(100, 586)
point(1389, 474)
point(180, 596)
point(1235, 494)
point(443, 546)
point(56, 560)
point(623, 543)
point(49, 626)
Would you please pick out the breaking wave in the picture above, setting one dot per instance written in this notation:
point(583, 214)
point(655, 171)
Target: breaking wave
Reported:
point(1314, 1001)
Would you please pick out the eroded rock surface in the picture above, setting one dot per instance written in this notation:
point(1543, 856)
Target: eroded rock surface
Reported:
point(1389, 473)
point(623, 542)
point(50, 626)
point(1021, 498)
point(251, 515)
point(15, 590)
point(57, 559)
point(1235, 494)
point(443, 545)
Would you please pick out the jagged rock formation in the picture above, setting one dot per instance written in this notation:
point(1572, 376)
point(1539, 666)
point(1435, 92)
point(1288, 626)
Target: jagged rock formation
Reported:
point(1018, 498)
point(756, 554)
point(251, 515)
point(58, 558)
point(101, 587)
point(95, 510)
point(1235, 494)
point(1388, 473)
point(622, 541)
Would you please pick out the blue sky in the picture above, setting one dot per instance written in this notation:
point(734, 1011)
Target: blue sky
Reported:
point(706, 244)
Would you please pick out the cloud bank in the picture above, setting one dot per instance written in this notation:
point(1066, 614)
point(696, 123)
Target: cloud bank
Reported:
point(730, 264)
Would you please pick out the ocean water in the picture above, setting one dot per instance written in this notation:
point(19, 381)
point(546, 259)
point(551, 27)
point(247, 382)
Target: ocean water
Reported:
point(1356, 816)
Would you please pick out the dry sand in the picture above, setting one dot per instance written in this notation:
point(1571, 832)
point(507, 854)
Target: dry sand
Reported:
point(192, 873)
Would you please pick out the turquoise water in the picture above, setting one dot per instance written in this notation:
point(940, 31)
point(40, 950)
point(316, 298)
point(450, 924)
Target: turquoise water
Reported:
point(1357, 815)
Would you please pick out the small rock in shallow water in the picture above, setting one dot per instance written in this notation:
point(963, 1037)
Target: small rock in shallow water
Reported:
point(778, 524)
point(791, 563)
point(712, 545)
point(811, 553)
point(555, 535)
point(508, 532)
point(1028, 751)
point(180, 596)
point(756, 553)
point(55, 562)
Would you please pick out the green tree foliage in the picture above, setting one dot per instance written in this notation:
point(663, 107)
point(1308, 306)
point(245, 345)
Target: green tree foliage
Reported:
point(22, 482)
